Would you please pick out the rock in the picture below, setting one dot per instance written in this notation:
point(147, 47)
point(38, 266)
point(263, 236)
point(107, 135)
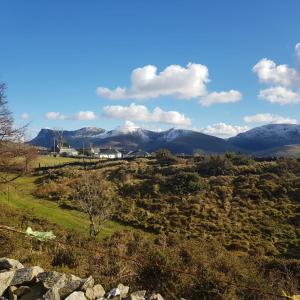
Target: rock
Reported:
point(5, 280)
point(87, 283)
point(156, 297)
point(123, 290)
point(70, 284)
point(95, 292)
point(139, 295)
point(52, 294)
point(76, 296)
point(25, 275)
point(21, 291)
point(11, 294)
point(51, 279)
point(113, 293)
point(19, 283)
point(98, 291)
point(36, 292)
point(65, 284)
point(8, 264)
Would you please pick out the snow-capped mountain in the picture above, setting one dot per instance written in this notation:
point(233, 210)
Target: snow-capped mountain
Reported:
point(138, 132)
point(173, 134)
point(267, 137)
point(260, 141)
point(129, 138)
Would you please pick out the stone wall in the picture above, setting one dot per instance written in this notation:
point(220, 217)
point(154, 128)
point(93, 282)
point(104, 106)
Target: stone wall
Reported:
point(32, 283)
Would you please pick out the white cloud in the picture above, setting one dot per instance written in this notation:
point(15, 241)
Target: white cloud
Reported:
point(24, 116)
point(279, 95)
point(269, 118)
point(181, 82)
point(221, 97)
point(284, 81)
point(55, 116)
point(268, 72)
point(128, 126)
point(80, 116)
point(85, 115)
point(224, 130)
point(297, 49)
point(135, 112)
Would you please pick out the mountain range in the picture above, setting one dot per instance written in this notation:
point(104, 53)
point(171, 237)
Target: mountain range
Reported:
point(272, 139)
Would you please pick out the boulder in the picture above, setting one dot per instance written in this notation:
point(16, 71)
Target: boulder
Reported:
point(123, 290)
point(11, 294)
point(25, 275)
point(21, 291)
point(95, 292)
point(51, 279)
point(65, 284)
point(8, 264)
point(52, 294)
point(87, 283)
point(76, 296)
point(139, 295)
point(36, 292)
point(5, 280)
point(70, 284)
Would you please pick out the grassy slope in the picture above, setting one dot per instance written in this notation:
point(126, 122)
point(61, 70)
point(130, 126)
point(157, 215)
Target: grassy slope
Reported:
point(48, 160)
point(21, 198)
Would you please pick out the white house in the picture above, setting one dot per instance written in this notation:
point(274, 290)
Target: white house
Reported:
point(67, 151)
point(107, 153)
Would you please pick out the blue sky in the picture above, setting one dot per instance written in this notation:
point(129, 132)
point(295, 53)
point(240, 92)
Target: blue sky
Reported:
point(55, 54)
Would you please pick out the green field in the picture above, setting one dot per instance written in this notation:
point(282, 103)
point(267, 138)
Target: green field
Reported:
point(20, 198)
point(49, 160)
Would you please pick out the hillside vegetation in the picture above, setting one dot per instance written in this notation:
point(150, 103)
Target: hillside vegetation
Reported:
point(209, 227)
point(244, 204)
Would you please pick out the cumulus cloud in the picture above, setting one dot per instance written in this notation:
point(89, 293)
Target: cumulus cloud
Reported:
point(223, 130)
point(85, 115)
point(279, 95)
point(269, 118)
point(52, 115)
point(181, 82)
point(24, 116)
point(135, 112)
point(80, 116)
point(284, 81)
point(128, 126)
point(268, 72)
point(221, 97)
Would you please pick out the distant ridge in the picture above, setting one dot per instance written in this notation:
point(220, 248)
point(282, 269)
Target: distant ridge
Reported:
point(267, 137)
point(266, 140)
point(176, 140)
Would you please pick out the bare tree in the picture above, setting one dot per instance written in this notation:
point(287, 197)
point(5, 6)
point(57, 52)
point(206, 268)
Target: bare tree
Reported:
point(15, 156)
point(96, 197)
point(58, 136)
